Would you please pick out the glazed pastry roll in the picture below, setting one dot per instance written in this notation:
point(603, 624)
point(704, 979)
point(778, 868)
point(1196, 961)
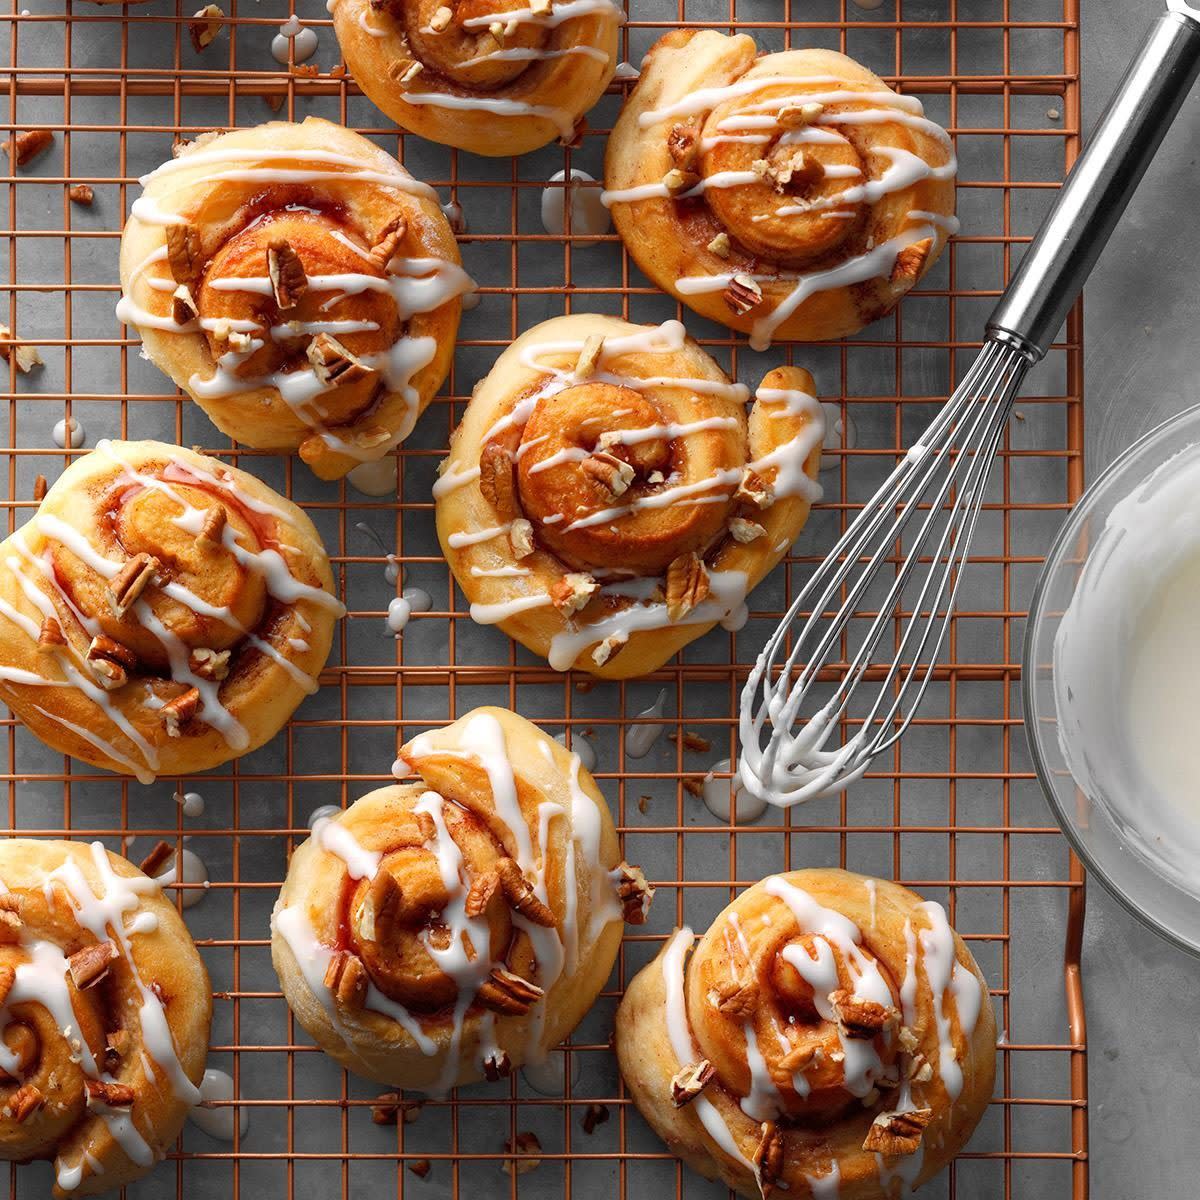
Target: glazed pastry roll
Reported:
point(609, 497)
point(454, 928)
point(299, 285)
point(161, 613)
point(791, 196)
point(829, 1036)
point(496, 77)
point(104, 1011)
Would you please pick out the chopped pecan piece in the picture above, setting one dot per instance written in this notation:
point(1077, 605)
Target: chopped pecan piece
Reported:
point(753, 491)
point(8, 977)
point(593, 1115)
point(405, 70)
point(688, 1083)
point(420, 1167)
point(157, 858)
point(40, 487)
point(691, 740)
point(520, 537)
point(687, 585)
point(589, 356)
point(111, 662)
point(116, 1046)
point(131, 580)
point(858, 1017)
point(382, 903)
point(896, 1133)
point(684, 146)
point(333, 364)
point(540, 8)
point(908, 1039)
point(678, 182)
point(346, 978)
point(720, 245)
point(184, 253)
point(390, 237)
point(744, 531)
point(213, 528)
point(910, 262)
point(800, 1059)
point(518, 891)
point(181, 711)
point(51, 635)
point(90, 965)
point(286, 271)
point(204, 26)
point(102, 1094)
point(506, 993)
point(743, 294)
point(613, 474)
point(797, 116)
point(635, 893)
point(768, 1158)
point(483, 887)
point(496, 478)
point(183, 305)
point(81, 193)
point(26, 357)
point(608, 647)
point(733, 998)
point(25, 1101)
point(209, 664)
point(441, 19)
point(497, 1065)
point(527, 1145)
point(29, 145)
point(10, 920)
point(572, 592)
point(392, 1106)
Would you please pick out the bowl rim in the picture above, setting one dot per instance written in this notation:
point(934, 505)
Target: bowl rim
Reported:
point(1068, 529)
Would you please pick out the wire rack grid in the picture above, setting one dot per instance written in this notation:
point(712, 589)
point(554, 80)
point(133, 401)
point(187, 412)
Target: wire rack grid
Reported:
point(955, 811)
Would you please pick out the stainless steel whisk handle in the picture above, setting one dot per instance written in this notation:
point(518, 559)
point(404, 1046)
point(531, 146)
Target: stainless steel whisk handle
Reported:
point(1061, 256)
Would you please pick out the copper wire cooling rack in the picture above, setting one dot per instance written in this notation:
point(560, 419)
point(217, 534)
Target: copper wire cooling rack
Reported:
point(955, 811)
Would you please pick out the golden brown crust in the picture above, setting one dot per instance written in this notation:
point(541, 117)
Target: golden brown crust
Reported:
point(137, 1003)
point(136, 641)
point(733, 212)
point(794, 1091)
point(270, 300)
point(512, 75)
point(411, 874)
point(601, 519)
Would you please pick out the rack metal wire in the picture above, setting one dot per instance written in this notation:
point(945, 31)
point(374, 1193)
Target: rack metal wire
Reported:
point(955, 811)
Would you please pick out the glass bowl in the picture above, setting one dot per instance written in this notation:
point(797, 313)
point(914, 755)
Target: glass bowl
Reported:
point(1140, 848)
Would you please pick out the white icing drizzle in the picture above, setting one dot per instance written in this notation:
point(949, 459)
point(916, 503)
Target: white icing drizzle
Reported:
point(218, 1118)
point(640, 738)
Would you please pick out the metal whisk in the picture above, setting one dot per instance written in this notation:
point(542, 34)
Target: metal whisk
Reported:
point(925, 513)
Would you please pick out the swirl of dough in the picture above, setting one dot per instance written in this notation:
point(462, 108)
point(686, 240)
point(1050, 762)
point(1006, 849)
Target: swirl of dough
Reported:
point(829, 1035)
point(608, 496)
point(300, 285)
point(104, 1015)
point(790, 195)
point(451, 930)
point(162, 613)
point(496, 77)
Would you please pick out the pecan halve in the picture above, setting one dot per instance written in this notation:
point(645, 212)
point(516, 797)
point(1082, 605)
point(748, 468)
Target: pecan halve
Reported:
point(507, 993)
point(768, 1158)
point(897, 1133)
point(51, 634)
point(286, 272)
point(733, 998)
point(25, 1101)
point(635, 893)
point(688, 1083)
point(131, 580)
point(496, 478)
point(687, 585)
point(103, 1094)
point(184, 254)
point(859, 1017)
point(483, 887)
point(180, 712)
point(614, 475)
point(90, 965)
point(518, 891)
point(390, 237)
point(346, 978)
point(333, 364)
point(213, 528)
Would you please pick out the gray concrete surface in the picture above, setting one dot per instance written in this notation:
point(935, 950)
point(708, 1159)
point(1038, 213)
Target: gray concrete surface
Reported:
point(1142, 366)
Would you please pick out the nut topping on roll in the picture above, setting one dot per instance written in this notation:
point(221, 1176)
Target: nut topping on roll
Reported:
point(595, 502)
point(827, 1029)
point(481, 907)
